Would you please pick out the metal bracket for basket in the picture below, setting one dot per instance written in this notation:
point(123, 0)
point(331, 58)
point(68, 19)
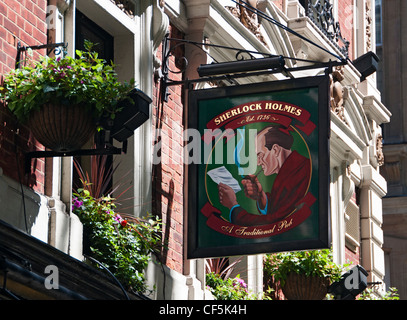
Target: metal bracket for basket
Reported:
point(107, 150)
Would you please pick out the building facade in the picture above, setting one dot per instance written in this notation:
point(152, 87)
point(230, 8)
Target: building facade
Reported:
point(390, 32)
point(135, 31)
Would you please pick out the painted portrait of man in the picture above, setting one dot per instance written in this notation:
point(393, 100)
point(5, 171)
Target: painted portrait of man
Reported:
point(292, 170)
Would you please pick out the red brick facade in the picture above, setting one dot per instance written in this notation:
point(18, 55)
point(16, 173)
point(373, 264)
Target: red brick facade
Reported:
point(168, 175)
point(352, 257)
point(345, 18)
point(279, 4)
point(20, 21)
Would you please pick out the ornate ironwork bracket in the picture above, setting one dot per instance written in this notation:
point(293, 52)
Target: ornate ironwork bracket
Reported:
point(169, 51)
point(241, 54)
point(321, 13)
point(52, 46)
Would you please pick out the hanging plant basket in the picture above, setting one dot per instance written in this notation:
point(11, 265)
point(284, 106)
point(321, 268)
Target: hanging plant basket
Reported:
point(89, 87)
point(62, 128)
point(301, 287)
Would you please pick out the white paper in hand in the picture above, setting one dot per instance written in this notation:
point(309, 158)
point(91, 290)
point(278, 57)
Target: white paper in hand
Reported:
point(222, 175)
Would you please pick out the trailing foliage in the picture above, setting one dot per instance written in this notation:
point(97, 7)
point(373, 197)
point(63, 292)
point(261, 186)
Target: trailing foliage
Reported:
point(86, 80)
point(221, 266)
point(310, 263)
point(123, 246)
point(372, 294)
point(219, 283)
point(228, 289)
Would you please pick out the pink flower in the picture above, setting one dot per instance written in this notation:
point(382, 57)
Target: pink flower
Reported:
point(241, 282)
point(120, 220)
point(76, 204)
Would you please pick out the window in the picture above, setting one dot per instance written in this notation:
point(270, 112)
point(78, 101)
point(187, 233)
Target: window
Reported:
point(379, 43)
point(378, 17)
point(86, 29)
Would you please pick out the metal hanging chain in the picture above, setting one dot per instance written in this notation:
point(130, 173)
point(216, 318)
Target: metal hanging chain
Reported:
point(239, 51)
point(221, 47)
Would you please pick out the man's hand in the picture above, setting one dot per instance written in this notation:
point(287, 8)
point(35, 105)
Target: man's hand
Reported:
point(227, 196)
point(254, 190)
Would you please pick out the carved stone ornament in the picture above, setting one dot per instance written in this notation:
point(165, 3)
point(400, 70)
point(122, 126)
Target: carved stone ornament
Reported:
point(127, 6)
point(368, 17)
point(379, 150)
point(248, 19)
point(160, 23)
point(336, 90)
point(348, 186)
point(63, 5)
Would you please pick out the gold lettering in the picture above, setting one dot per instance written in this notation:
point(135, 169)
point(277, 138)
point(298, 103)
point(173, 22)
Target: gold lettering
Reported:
point(281, 107)
point(286, 108)
point(255, 232)
point(284, 224)
point(227, 229)
point(255, 107)
point(240, 231)
point(246, 119)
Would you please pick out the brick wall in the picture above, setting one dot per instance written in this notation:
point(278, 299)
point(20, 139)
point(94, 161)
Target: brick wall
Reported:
point(345, 18)
point(168, 174)
point(20, 21)
point(352, 256)
point(279, 4)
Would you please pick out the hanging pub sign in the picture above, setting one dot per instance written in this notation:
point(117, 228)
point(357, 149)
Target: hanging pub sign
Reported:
point(258, 180)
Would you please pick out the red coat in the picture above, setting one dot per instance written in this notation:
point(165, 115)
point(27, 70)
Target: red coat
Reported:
point(289, 188)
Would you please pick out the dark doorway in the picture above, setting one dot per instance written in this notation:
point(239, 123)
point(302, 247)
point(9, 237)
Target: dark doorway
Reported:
point(103, 42)
point(86, 29)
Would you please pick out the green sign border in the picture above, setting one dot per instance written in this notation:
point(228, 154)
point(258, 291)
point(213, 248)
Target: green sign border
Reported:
point(216, 108)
